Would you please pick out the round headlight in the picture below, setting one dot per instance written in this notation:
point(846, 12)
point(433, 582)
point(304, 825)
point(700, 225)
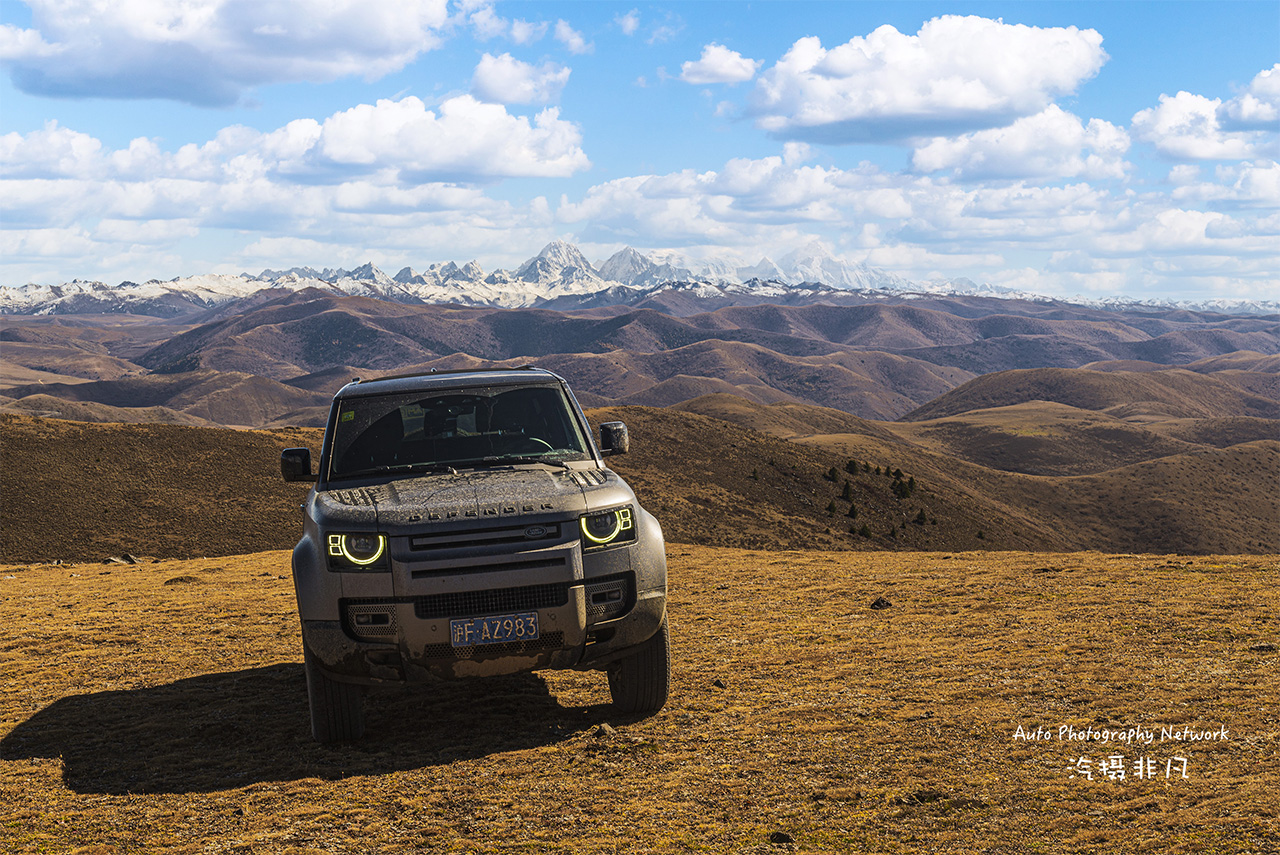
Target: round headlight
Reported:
point(601, 528)
point(608, 527)
point(363, 549)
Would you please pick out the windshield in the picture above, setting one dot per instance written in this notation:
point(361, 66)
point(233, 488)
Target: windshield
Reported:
point(458, 428)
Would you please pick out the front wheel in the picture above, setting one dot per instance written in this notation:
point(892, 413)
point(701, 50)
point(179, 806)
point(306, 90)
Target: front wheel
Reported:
point(337, 709)
point(639, 683)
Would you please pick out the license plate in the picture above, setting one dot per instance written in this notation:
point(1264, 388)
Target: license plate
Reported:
point(470, 632)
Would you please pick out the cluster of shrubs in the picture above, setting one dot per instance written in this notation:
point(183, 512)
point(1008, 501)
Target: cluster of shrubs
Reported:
point(902, 486)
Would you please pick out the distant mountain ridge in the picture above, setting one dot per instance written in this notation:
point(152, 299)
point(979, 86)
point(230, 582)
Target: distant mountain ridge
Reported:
point(558, 277)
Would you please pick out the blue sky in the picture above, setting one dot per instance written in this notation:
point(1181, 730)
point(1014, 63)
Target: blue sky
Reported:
point(1064, 148)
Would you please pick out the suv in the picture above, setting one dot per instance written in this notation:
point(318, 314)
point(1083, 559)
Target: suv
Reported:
point(463, 524)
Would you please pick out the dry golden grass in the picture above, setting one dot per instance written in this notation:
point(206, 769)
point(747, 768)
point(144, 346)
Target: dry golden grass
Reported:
point(161, 708)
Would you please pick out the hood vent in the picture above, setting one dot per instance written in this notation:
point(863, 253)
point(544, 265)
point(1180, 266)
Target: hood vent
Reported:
point(363, 496)
point(588, 477)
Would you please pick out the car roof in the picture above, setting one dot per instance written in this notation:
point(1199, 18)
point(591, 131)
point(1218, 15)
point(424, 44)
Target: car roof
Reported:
point(454, 379)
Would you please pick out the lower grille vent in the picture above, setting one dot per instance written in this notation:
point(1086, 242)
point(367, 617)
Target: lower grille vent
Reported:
point(372, 622)
point(608, 598)
point(498, 601)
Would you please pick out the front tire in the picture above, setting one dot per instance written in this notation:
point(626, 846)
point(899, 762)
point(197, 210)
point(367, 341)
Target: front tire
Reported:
point(640, 682)
point(337, 709)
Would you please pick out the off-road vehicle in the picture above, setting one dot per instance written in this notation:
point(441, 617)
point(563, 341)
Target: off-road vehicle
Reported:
point(464, 524)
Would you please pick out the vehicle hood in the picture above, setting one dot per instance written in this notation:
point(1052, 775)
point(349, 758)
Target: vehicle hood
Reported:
point(407, 504)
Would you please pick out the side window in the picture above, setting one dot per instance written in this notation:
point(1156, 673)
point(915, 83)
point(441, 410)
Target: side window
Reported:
point(379, 445)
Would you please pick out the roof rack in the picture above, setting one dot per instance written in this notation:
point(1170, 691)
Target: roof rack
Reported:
point(529, 366)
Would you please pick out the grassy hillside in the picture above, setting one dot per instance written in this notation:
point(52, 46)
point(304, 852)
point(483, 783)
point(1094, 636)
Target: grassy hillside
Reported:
point(88, 491)
point(1169, 394)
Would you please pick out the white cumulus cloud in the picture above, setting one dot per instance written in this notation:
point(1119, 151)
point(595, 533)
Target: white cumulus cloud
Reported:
point(395, 142)
point(719, 64)
point(526, 32)
point(1188, 127)
point(956, 75)
point(209, 53)
point(571, 38)
point(465, 140)
point(1258, 107)
point(488, 24)
point(506, 80)
point(628, 23)
point(1051, 144)
point(51, 152)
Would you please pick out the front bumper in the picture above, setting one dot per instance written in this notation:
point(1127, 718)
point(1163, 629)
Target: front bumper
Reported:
point(593, 606)
point(418, 647)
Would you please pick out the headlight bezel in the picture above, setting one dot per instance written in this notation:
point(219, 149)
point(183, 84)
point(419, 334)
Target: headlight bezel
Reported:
point(346, 554)
point(620, 528)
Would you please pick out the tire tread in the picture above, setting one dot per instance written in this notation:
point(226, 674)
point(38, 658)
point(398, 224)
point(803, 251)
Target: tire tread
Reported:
point(640, 683)
point(337, 709)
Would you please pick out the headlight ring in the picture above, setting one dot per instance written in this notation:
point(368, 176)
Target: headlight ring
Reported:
point(361, 550)
point(608, 528)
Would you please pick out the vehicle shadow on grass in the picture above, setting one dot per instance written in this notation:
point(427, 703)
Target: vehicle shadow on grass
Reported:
point(221, 731)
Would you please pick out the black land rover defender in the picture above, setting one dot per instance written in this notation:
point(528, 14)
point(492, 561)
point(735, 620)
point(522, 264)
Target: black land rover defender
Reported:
point(464, 524)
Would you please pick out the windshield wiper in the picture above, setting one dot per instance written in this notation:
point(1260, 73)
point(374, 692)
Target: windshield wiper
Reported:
point(504, 460)
point(404, 467)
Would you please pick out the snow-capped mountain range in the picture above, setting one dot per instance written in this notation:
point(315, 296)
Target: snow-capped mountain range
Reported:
point(559, 276)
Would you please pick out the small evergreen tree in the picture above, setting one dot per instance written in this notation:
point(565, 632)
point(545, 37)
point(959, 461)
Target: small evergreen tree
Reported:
point(831, 474)
point(866, 467)
point(853, 511)
point(921, 519)
point(847, 493)
point(897, 474)
point(865, 531)
point(755, 474)
point(831, 508)
point(911, 485)
point(877, 470)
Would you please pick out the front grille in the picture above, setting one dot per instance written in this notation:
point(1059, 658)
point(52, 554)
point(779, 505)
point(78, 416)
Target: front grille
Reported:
point(549, 641)
point(494, 567)
point(492, 602)
point(522, 535)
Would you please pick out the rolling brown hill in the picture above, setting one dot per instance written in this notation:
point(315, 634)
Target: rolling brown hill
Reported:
point(86, 491)
point(878, 359)
point(1171, 393)
point(47, 406)
point(220, 397)
point(1140, 491)
point(79, 491)
point(1041, 438)
point(63, 361)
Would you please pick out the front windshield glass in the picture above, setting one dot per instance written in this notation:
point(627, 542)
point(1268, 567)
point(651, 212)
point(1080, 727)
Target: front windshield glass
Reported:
point(455, 428)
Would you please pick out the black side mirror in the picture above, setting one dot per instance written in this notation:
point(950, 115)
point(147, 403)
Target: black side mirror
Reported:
point(295, 464)
point(614, 439)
